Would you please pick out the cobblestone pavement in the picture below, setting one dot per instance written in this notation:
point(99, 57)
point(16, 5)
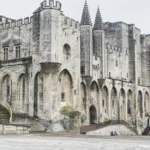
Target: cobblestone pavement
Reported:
point(45, 142)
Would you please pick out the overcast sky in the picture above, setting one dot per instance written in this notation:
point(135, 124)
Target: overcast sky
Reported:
point(129, 11)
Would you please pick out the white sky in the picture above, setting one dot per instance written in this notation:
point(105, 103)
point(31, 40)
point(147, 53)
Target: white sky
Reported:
point(129, 11)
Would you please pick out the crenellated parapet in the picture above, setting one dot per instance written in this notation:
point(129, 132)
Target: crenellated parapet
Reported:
point(112, 48)
point(16, 23)
point(71, 23)
point(51, 4)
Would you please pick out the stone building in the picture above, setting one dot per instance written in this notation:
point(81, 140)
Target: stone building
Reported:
point(49, 61)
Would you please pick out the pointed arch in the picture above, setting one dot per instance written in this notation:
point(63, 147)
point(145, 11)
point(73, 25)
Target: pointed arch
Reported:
point(122, 98)
point(140, 103)
point(83, 97)
point(38, 94)
point(21, 93)
point(105, 103)
point(93, 114)
point(94, 94)
point(7, 89)
point(129, 103)
point(146, 102)
point(114, 103)
point(65, 85)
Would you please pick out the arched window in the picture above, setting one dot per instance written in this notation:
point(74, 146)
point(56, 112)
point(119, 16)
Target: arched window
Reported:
point(67, 52)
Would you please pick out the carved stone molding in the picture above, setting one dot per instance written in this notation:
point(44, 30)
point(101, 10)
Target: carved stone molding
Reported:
point(101, 82)
point(88, 80)
point(48, 67)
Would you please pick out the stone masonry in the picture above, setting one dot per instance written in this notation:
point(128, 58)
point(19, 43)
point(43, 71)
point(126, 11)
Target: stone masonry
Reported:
point(49, 61)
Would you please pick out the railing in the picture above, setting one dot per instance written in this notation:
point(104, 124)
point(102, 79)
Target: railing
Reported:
point(146, 131)
point(85, 129)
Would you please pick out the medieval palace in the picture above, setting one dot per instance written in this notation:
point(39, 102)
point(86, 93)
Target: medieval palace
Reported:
point(49, 61)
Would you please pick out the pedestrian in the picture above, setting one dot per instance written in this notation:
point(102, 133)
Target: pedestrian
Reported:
point(112, 134)
point(115, 134)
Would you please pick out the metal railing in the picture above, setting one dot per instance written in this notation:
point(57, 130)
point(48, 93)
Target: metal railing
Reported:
point(89, 128)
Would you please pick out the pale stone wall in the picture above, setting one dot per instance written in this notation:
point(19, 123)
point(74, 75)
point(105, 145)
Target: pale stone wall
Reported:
point(120, 129)
point(64, 63)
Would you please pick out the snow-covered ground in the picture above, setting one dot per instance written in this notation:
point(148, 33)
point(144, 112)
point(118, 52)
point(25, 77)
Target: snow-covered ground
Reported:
point(45, 142)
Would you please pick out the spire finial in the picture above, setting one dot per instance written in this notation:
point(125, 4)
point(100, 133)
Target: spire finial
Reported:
point(86, 19)
point(98, 21)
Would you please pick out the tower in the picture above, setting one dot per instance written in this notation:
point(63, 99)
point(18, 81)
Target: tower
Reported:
point(46, 32)
point(98, 43)
point(86, 42)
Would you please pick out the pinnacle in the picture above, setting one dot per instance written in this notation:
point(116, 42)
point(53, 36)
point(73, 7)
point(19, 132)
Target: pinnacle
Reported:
point(86, 19)
point(98, 21)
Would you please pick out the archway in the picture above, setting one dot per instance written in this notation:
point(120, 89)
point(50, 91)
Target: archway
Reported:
point(38, 91)
point(65, 85)
point(7, 89)
point(93, 115)
point(140, 103)
point(83, 97)
point(94, 93)
point(114, 103)
point(146, 103)
point(105, 100)
point(129, 104)
point(21, 93)
point(122, 104)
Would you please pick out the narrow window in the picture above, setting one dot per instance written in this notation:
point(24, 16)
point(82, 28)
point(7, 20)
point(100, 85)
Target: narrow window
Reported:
point(116, 63)
point(17, 51)
point(5, 53)
point(103, 103)
point(63, 97)
point(138, 81)
point(109, 74)
point(82, 70)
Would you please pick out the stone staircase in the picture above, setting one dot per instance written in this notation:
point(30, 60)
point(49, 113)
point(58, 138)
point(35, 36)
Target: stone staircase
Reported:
point(94, 127)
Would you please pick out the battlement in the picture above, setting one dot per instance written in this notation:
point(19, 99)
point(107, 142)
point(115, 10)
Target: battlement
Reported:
point(16, 23)
point(51, 4)
point(112, 48)
point(71, 22)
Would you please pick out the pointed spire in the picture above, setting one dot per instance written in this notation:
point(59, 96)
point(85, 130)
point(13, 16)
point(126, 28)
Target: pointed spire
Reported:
point(98, 21)
point(86, 19)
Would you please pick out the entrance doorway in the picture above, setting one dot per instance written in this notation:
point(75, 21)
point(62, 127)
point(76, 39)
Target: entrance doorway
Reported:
point(93, 115)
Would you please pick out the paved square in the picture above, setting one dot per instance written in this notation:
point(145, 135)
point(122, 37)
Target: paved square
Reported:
point(44, 142)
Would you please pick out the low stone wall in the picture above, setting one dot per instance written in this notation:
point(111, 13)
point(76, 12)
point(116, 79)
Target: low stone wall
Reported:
point(14, 129)
point(120, 129)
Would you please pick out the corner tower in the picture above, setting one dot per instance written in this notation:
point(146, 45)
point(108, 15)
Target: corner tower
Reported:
point(99, 43)
point(86, 42)
point(47, 22)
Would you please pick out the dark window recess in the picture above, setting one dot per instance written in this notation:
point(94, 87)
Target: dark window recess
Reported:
point(109, 74)
point(92, 87)
point(5, 53)
point(82, 70)
point(116, 63)
point(63, 97)
point(103, 103)
point(139, 82)
point(18, 52)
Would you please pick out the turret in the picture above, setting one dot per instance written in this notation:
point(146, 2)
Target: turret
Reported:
point(99, 46)
point(47, 22)
point(86, 42)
